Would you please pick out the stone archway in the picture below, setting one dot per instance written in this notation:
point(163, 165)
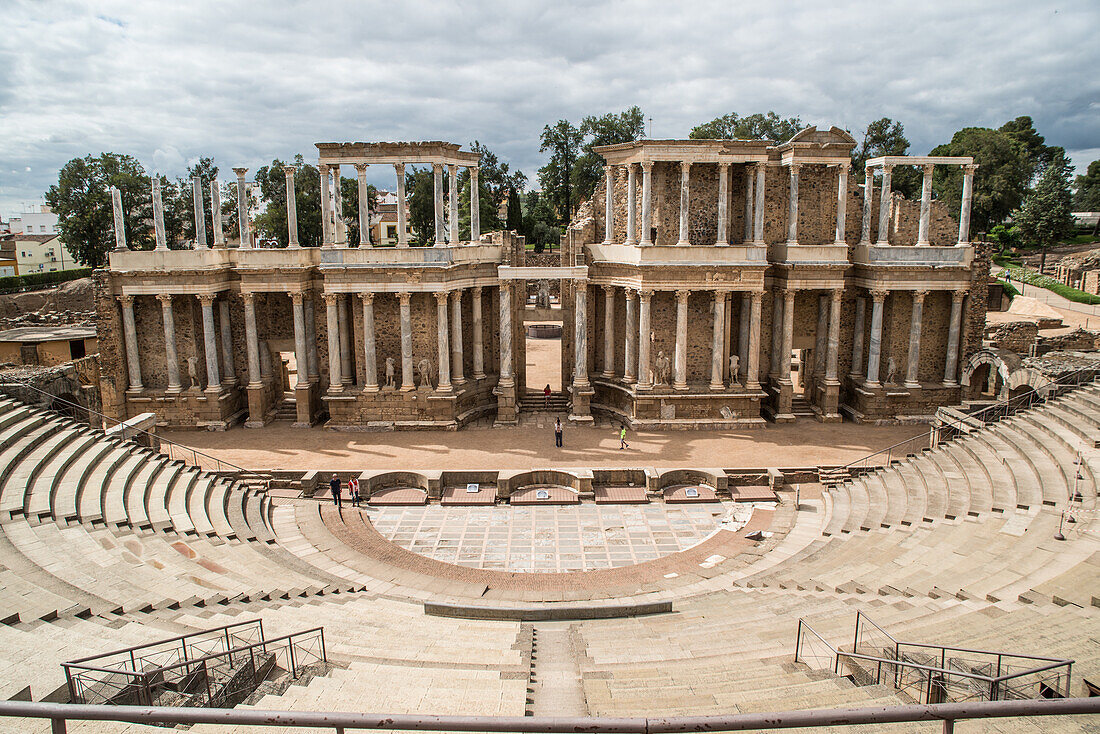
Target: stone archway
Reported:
point(1003, 370)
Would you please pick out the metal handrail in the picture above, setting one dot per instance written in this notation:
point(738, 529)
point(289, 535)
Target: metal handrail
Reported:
point(961, 421)
point(166, 640)
point(946, 713)
point(161, 439)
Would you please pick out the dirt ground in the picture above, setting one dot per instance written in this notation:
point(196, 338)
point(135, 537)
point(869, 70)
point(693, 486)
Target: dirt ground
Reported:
point(544, 364)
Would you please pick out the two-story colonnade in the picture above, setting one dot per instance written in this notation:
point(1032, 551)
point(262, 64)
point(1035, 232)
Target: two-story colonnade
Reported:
point(709, 283)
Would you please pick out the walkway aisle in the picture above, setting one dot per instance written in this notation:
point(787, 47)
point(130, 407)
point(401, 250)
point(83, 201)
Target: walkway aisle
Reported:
point(556, 684)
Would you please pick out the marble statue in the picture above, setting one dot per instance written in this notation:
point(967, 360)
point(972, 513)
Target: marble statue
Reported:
point(389, 372)
point(664, 368)
point(425, 368)
point(891, 370)
point(543, 298)
point(193, 372)
point(735, 366)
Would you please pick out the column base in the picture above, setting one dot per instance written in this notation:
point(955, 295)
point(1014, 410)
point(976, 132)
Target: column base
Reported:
point(721, 244)
point(717, 386)
point(950, 383)
point(680, 386)
point(683, 243)
point(173, 390)
point(479, 375)
point(911, 384)
point(629, 380)
point(371, 388)
point(445, 389)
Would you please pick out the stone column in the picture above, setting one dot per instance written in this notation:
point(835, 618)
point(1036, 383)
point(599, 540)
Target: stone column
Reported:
point(913, 365)
point(951, 368)
point(875, 349)
point(437, 196)
point(452, 196)
point(407, 381)
point(857, 338)
point(777, 335)
point(647, 206)
point(608, 331)
point(251, 341)
point(685, 199)
point(158, 215)
point(967, 197)
point(723, 204)
point(326, 208)
point(199, 211)
point(475, 205)
point(717, 340)
point(841, 204)
point(743, 338)
point(291, 207)
point(868, 196)
point(402, 234)
point(120, 225)
point(313, 370)
point(884, 207)
point(457, 376)
point(630, 355)
point(443, 342)
point(788, 337)
point(505, 335)
point(338, 206)
point(479, 356)
point(758, 208)
point(300, 351)
point(679, 379)
point(243, 223)
point(925, 206)
point(347, 372)
point(370, 354)
point(792, 206)
point(727, 334)
point(580, 337)
point(645, 372)
point(752, 374)
point(834, 336)
point(748, 203)
point(631, 205)
point(820, 338)
point(172, 359)
point(609, 205)
point(226, 327)
point(210, 342)
point(216, 213)
point(335, 379)
point(364, 205)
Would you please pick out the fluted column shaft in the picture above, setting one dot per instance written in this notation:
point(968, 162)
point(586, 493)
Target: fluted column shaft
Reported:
point(832, 356)
point(723, 204)
point(216, 213)
point(443, 342)
point(925, 206)
point(608, 331)
point(402, 234)
point(580, 338)
point(788, 337)
point(226, 327)
point(717, 340)
point(119, 220)
point(300, 356)
point(479, 355)
point(685, 200)
point(841, 203)
point(370, 352)
point(407, 382)
point(884, 207)
point(313, 369)
point(243, 223)
point(868, 198)
point(875, 350)
point(210, 342)
point(452, 197)
point(752, 375)
point(475, 205)
point(821, 340)
point(437, 197)
point(857, 337)
point(158, 215)
point(679, 380)
point(251, 340)
point(505, 299)
point(326, 208)
point(758, 208)
point(338, 206)
point(335, 379)
point(291, 207)
point(913, 364)
point(749, 176)
point(647, 206)
point(954, 329)
point(346, 372)
point(199, 212)
point(630, 356)
point(645, 372)
point(609, 204)
point(967, 198)
point(172, 359)
point(743, 338)
point(364, 204)
point(792, 207)
point(631, 205)
point(457, 376)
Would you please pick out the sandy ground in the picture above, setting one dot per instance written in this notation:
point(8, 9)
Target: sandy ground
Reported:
point(544, 364)
point(802, 444)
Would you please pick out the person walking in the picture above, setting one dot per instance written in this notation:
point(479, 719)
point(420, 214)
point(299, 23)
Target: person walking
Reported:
point(622, 437)
point(353, 490)
point(546, 392)
point(334, 487)
point(557, 432)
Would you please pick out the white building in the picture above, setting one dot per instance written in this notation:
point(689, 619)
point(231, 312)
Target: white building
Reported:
point(43, 221)
point(39, 253)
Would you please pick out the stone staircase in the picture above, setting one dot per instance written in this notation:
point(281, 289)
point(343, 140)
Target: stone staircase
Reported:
point(535, 402)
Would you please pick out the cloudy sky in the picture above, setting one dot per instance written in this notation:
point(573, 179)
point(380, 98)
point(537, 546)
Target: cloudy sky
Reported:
point(248, 82)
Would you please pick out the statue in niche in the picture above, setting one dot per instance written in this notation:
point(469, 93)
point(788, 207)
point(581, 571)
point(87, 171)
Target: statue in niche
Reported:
point(735, 366)
point(265, 360)
point(543, 298)
point(193, 373)
point(389, 373)
point(891, 371)
point(425, 369)
point(664, 368)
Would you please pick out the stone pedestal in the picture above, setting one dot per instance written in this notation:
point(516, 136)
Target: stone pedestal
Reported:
point(257, 407)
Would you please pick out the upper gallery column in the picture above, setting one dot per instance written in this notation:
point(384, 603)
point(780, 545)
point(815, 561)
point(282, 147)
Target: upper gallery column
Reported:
point(158, 215)
point(443, 342)
point(200, 212)
point(505, 379)
point(645, 374)
point(749, 175)
point(951, 367)
point(120, 226)
point(338, 206)
point(841, 203)
point(723, 204)
point(792, 206)
point(326, 208)
point(301, 358)
point(874, 351)
point(884, 206)
point(364, 205)
point(717, 341)
point(402, 235)
point(210, 342)
point(752, 374)
point(171, 356)
point(244, 225)
point(370, 354)
point(685, 198)
point(913, 365)
point(580, 338)
point(452, 197)
point(631, 350)
point(251, 340)
point(129, 334)
point(758, 207)
point(291, 207)
point(479, 355)
point(647, 204)
point(405, 309)
point(216, 213)
point(967, 197)
point(868, 196)
point(833, 347)
point(335, 378)
point(925, 205)
point(437, 197)
point(457, 376)
point(631, 205)
point(679, 379)
point(609, 204)
point(608, 331)
point(475, 205)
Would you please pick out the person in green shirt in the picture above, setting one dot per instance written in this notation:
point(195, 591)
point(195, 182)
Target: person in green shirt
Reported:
point(622, 437)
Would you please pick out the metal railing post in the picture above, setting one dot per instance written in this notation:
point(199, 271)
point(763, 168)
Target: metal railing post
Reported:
point(57, 726)
point(324, 654)
point(948, 726)
point(228, 647)
point(798, 641)
point(290, 648)
point(206, 677)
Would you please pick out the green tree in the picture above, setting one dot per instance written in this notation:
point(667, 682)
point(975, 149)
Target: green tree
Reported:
point(82, 203)
point(488, 219)
point(1039, 154)
point(1001, 180)
point(177, 212)
point(758, 126)
point(515, 213)
point(272, 222)
point(539, 221)
point(563, 140)
point(420, 187)
point(1046, 215)
point(609, 129)
point(495, 178)
point(1087, 196)
point(887, 137)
